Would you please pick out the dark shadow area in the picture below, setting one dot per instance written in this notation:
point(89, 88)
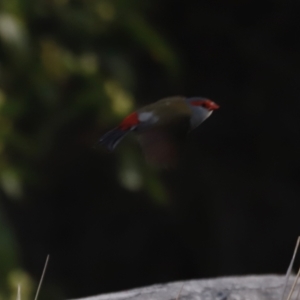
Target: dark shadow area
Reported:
point(71, 70)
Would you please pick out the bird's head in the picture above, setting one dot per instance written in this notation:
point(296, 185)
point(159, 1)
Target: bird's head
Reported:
point(201, 109)
point(202, 103)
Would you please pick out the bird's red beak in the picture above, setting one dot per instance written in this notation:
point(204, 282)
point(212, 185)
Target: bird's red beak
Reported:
point(212, 105)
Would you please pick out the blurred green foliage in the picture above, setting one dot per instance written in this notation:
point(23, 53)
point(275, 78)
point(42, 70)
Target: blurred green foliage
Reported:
point(61, 60)
point(72, 69)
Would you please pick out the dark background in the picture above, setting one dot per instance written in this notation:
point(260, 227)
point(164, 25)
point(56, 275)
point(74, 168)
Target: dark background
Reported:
point(70, 70)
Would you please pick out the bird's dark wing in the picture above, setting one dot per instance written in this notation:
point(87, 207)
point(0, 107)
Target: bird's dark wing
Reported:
point(161, 145)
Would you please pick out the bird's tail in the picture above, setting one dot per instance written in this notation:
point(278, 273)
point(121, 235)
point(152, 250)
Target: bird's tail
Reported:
point(112, 138)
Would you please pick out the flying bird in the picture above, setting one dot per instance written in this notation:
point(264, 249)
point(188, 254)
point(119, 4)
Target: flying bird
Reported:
point(162, 126)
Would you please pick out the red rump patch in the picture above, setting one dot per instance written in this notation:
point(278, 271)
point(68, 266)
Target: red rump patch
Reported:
point(129, 121)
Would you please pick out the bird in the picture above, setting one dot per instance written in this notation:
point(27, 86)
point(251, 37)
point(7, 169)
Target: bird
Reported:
point(161, 127)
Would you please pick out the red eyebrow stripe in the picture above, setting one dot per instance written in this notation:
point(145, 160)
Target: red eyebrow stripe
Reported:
point(197, 102)
point(129, 121)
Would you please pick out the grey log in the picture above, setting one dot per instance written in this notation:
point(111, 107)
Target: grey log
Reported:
point(266, 287)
